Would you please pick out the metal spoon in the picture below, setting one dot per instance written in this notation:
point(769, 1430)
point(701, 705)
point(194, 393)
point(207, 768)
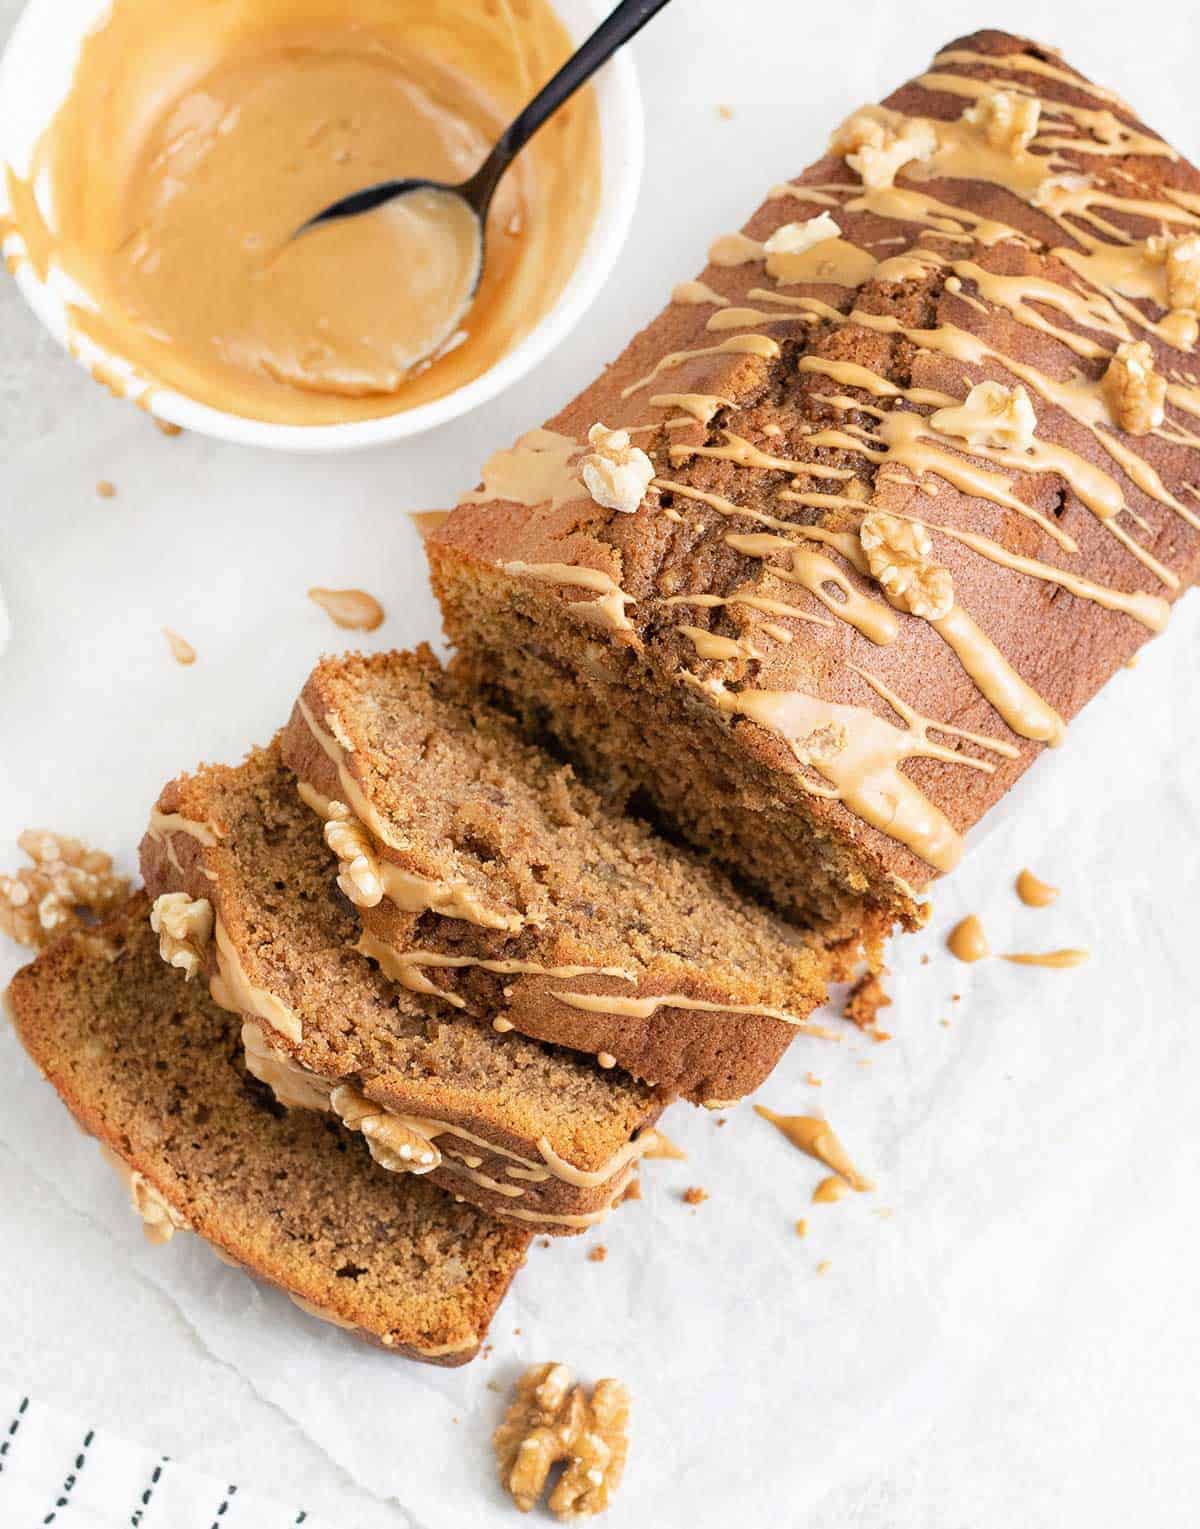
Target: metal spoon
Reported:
point(474, 196)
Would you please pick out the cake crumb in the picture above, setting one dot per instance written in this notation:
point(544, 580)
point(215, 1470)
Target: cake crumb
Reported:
point(696, 1195)
point(812, 1080)
point(167, 428)
point(632, 1191)
point(925, 959)
point(543, 1242)
point(721, 1121)
point(864, 1001)
point(181, 649)
point(106, 489)
point(824, 1266)
point(551, 1421)
point(598, 1254)
point(725, 112)
point(802, 1227)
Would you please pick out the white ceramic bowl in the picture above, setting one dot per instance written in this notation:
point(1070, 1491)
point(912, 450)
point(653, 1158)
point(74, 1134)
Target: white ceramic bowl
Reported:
point(35, 74)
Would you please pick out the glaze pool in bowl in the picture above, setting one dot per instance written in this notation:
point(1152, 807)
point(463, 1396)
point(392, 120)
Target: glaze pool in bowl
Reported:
point(57, 53)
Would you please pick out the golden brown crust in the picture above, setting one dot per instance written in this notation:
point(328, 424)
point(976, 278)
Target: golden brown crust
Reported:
point(517, 636)
point(151, 1067)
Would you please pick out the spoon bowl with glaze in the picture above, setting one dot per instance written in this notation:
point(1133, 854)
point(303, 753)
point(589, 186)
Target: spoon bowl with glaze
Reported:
point(444, 227)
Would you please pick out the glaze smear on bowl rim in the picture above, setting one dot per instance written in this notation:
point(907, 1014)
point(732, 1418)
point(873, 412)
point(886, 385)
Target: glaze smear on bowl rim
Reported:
point(34, 74)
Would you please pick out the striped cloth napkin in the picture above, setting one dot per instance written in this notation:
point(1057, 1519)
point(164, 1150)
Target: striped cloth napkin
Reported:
point(56, 1469)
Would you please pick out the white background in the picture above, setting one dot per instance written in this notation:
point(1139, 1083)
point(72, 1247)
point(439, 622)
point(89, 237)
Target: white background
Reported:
point(1019, 1342)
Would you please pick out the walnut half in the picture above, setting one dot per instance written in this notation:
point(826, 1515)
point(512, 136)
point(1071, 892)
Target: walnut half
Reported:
point(552, 1421)
point(876, 143)
point(1008, 121)
point(900, 557)
point(1134, 391)
point(66, 887)
point(184, 926)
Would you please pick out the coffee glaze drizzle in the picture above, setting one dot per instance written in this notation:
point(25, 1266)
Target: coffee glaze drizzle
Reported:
point(1117, 269)
point(1033, 892)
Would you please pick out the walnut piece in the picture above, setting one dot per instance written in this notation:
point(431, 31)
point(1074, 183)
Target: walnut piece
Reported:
point(395, 1144)
point(358, 868)
point(900, 557)
point(615, 473)
point(1008, 121)
point(876, 143)
point(551, 1420)
point(160, 1220)
point(1134, 391)
point(990, 415)
point(184, 926)
point(68, 886)
point(1182, 260)
point(795, 238)
point(823, 744)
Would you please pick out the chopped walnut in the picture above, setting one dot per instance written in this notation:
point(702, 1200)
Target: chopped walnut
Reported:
point(1182, 260)
point(67, 887)
point(696, 1195)
point(160, 1220)
point(358, 868)
point(615, 473)
point(990, 415)
point(184, 926)
point(1134, 391)
point(876, 143)
point(823, 743)
point(899, 555)
point(551, 1420)
point(1008, 121)
point(795, 238)
point(1058, 193)
point(392, 1142)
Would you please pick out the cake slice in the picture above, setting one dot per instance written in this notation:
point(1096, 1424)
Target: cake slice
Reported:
point(151, 1067)
point(487, 876)
point(842, 541)
point(240, 875)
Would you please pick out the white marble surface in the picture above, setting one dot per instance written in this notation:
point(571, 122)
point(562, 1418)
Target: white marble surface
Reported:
point(1016, 1344)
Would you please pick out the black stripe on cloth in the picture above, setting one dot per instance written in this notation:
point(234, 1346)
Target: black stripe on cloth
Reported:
point(230, 1493)
point(135, 1517)
point(72, 1477)
point(12, 1430)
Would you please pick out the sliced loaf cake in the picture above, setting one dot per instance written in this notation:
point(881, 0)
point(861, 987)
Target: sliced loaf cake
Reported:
point(152, 1067)
point(487, 876)
point(240, 873)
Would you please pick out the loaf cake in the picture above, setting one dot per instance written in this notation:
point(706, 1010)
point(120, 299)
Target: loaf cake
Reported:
point(853, 529)
point(240, 877)
point(151, 1067)
point(488, 877)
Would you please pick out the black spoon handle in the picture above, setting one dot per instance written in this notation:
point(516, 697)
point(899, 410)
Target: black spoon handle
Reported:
point(625, 22)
